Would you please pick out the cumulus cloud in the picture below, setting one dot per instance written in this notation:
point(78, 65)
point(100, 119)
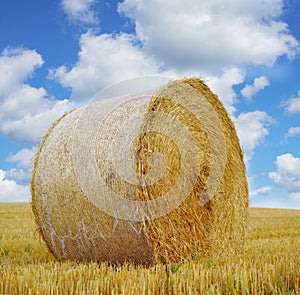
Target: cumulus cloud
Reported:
point(20, 176)
point(252, 130)
point(26, 112)
point(203, 38)
point(292, 105)
point(223, 86)
point(80, 11)
point(260, 191)
point(295, 196)
point(211, 34)
point(105, 59)
point(24, 158)
point(288, 174)
point(293, 131)
point(16, 65)
point(11, 191)
point(259, 84)
point(29, 127)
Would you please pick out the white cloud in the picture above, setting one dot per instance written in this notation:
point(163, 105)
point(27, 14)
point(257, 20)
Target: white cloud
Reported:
point(25, 111)
point(201, 38)
point(288, 173)
point(211, 34)
point(80, 11)
point(29, 127)
point(295, 196)
point(105, 59)
point(293, 131)
point(20, 176)
point(24, 158)
point(25, 100)
point(222, 86)
point(252, 130)
point(292, 105)
point(260, 191)
point(259, 84)
point(16, 65)
point(11, 191)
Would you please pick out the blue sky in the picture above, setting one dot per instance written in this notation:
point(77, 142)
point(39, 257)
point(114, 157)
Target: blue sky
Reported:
point(55, 55)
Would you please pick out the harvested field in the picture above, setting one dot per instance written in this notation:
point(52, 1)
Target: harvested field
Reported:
point(270, 263)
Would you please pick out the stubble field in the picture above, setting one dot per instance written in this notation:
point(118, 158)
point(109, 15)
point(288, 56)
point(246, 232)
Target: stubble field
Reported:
point(269, 263)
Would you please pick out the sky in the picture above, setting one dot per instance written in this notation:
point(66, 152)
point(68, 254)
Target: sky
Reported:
point(56, 55)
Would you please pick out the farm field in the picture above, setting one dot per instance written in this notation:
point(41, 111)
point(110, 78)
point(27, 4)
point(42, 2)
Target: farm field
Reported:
point(269, 263)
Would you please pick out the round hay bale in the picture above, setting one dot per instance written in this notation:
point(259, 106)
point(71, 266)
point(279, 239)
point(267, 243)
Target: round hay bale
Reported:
point(150, 178)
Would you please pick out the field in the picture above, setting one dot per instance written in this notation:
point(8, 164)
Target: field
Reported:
point(269, 264)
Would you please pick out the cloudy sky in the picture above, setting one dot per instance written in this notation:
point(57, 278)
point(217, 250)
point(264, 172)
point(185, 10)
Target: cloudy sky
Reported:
point(55, 55)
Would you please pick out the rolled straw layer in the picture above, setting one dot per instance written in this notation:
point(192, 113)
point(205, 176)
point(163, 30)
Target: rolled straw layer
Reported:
point(148, 178)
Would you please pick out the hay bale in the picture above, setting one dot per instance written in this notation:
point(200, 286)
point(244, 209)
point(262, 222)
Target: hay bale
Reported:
point(148, 178)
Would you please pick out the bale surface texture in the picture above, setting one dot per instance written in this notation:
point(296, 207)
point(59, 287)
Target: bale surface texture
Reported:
point(151, 178)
